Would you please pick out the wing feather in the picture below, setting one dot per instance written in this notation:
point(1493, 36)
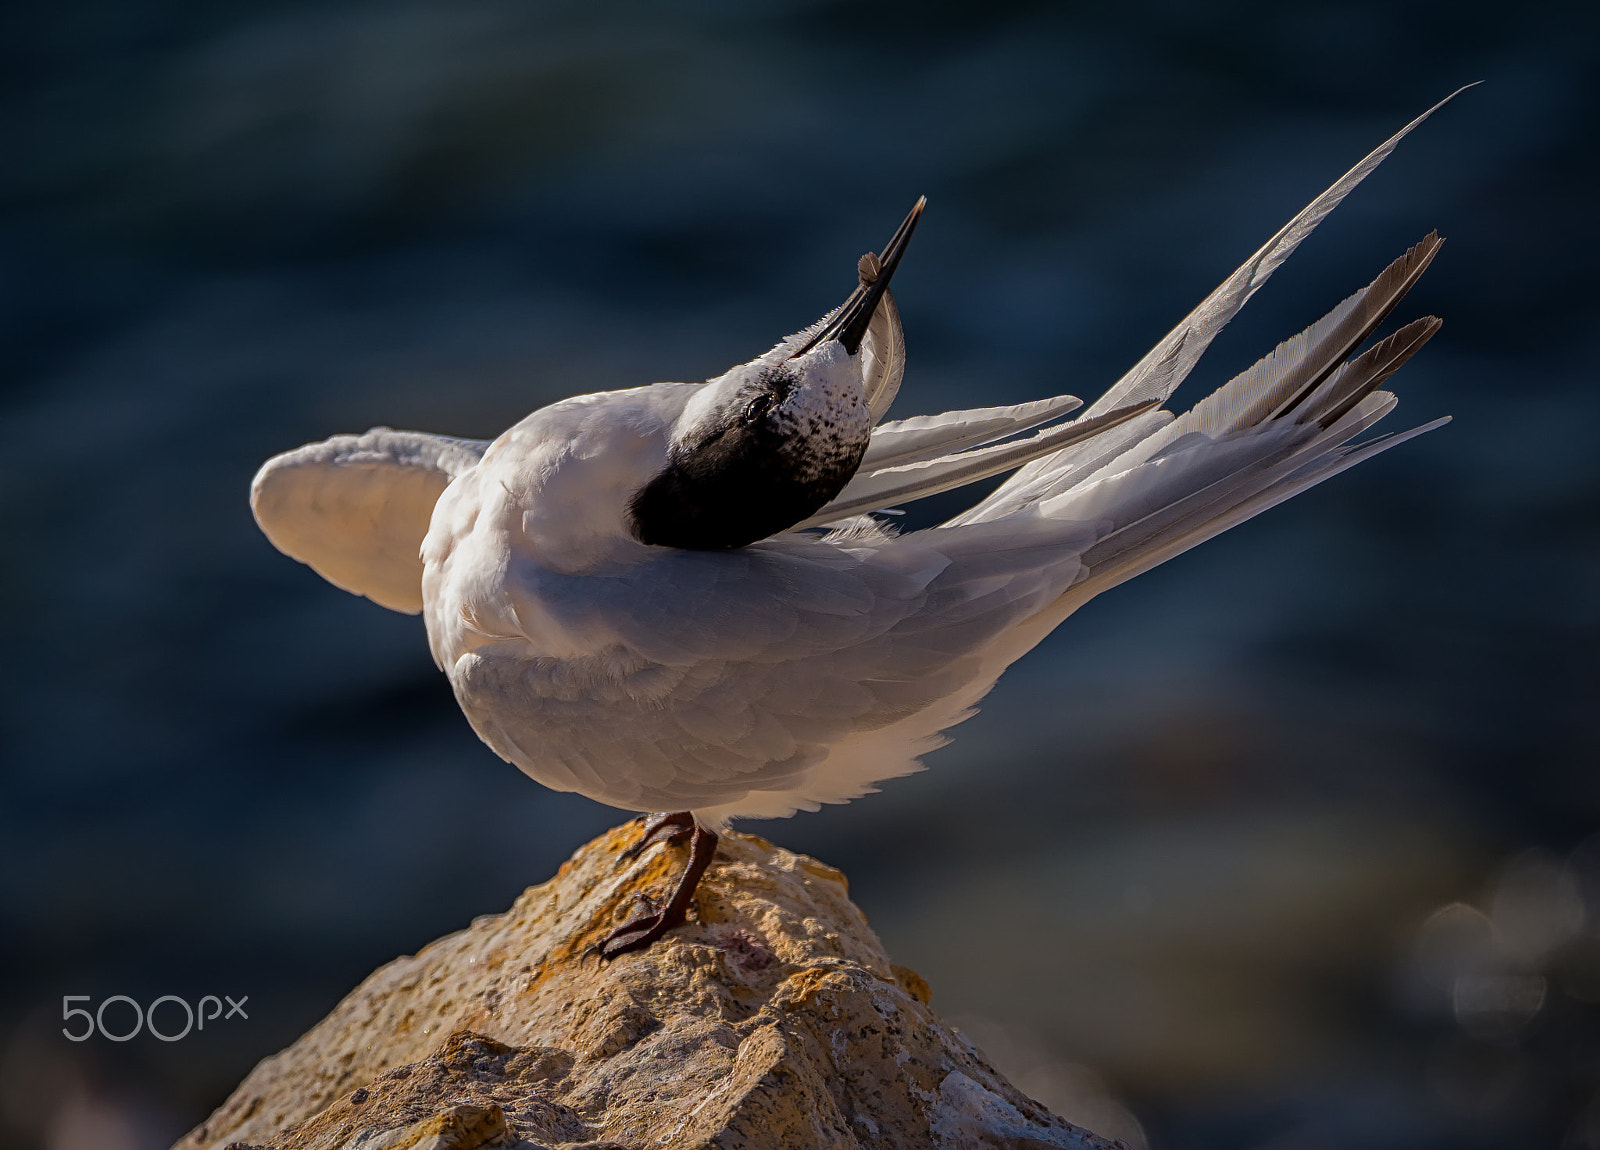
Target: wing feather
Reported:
point(355, 508)
point(806, 644)
point(925, 437)
point(887, 486)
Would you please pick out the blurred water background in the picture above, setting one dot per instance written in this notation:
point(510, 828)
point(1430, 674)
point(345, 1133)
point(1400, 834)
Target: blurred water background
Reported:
point(1284, 845)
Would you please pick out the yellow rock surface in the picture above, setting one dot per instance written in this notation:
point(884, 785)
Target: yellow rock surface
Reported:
point(772, 1019)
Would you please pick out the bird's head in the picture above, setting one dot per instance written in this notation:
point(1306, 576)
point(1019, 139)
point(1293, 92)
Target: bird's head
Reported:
point(768, 443)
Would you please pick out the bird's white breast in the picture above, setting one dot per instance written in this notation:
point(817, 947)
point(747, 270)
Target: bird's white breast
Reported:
point(550, 494)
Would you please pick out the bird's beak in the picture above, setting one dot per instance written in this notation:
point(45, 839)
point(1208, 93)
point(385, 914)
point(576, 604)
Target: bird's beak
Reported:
point(849, 326)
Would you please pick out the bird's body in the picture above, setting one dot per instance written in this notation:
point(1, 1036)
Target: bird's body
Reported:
point(632, 598)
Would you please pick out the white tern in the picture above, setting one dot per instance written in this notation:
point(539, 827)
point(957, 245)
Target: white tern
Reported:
point(675, 598)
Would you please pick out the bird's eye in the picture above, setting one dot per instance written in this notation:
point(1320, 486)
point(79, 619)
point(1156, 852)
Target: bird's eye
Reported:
point(759, 405)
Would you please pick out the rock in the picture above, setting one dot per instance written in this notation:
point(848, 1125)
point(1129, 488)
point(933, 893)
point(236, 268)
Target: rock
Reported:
point(774, 1019)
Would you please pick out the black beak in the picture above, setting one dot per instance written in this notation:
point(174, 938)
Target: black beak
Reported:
point(849, 327)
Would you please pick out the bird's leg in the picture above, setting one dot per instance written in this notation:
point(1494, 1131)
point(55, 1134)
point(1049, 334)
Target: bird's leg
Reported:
point(674, 827)
point(638, 933)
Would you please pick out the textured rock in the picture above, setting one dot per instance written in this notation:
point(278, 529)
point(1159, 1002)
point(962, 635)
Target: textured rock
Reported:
point(774, 1019)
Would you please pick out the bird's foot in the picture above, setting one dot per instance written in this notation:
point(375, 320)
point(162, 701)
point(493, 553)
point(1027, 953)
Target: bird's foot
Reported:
point(638, 933)
point(673, 827)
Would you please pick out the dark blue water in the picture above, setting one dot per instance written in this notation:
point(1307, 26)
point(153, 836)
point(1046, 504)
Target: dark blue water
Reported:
point(1177, 878)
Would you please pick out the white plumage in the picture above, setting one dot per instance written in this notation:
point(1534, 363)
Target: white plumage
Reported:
point(802, 669)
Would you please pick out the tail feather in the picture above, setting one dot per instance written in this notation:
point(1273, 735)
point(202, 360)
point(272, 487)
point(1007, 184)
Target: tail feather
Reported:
point(1262, 460)
point(1330, 341)
point(1296, 376)
point(1112, 570)
point(1297, 367)
point(1358, 378)
point(1167, 364)
point(1149, 484)
point(1275, 429)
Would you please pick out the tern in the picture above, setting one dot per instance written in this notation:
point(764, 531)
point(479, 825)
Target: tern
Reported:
point(677, 598)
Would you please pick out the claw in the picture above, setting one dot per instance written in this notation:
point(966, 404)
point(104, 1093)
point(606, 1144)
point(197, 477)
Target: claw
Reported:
point(635, 934)
point(673, 827)
point(638, 933)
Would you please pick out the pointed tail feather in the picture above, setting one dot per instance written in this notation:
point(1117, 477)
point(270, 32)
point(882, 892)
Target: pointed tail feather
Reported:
point(1109, 574)
point(1208, 481)
point(1357, 379)
point(1306, 375)
point(1166, 365)
point(1285, 378)
point(1271, 432)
